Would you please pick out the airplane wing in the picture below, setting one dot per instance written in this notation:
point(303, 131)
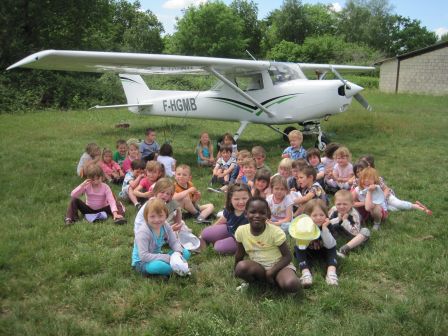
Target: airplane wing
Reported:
point(331, 67)
point(134, 63)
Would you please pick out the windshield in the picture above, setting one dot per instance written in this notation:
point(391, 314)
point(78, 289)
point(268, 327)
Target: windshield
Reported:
point(284, 72)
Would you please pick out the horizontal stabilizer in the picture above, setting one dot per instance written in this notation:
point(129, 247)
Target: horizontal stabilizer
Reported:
point(120, 106)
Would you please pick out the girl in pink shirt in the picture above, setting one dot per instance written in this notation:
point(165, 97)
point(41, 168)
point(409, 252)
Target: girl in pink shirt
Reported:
point(112, 170)
point(99, 198)
point(133, 154)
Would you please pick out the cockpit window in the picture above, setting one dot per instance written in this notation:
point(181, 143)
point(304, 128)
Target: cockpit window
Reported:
point(283, 72)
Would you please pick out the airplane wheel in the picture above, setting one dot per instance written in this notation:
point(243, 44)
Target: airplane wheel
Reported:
point(287, 131)
point(323, 142)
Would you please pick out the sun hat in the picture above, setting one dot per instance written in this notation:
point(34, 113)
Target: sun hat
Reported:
point(304, 230)
point(188, 240)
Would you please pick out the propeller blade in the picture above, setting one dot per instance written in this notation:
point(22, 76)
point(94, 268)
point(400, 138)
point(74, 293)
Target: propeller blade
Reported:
point(363, 101)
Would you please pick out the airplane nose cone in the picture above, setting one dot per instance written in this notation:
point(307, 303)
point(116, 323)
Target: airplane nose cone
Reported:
point(351, 89)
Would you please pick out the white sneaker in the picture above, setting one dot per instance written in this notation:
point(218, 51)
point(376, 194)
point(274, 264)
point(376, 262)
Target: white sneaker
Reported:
point(243, 287)
point(306, 280)
point(332, 279)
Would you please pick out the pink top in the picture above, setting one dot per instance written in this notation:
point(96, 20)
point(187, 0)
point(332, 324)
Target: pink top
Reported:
point(109, 168)
point(98, 197)
point(145, 183)
point(343, 172)
point(126, 165)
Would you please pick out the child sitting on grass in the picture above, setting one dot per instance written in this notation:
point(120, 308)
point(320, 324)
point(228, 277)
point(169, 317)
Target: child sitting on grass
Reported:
point(112, 170)
point(223, 168)
point(248, 169)
point(188, 196)
point(313, 158)
point(121, 152)
point(99, 198)
point(154, 171)
point(295, 151)
point(259, 155)
point(280, 203)
point(147, 255)
point(165, 157)
point(269, 256)
point(342, 170)
point(310, 189)
point(131, 182)
point(133, 154)
point(91, 155)
point(238, 171)
point(261, 184)
point(314, 240)
point(222, 233)
point(392, 201)
point(369, 197)
point(345, 220)
point(204, 150)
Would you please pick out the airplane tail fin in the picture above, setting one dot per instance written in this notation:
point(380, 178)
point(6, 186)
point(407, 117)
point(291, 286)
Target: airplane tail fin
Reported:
point(135, 89)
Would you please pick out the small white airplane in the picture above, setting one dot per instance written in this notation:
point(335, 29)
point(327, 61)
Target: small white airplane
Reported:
point(248, 91)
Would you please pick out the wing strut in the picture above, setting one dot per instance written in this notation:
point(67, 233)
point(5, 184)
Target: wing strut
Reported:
point(241, 92)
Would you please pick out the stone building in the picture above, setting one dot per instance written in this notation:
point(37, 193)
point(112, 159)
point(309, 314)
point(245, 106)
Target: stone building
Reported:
point(423, 71)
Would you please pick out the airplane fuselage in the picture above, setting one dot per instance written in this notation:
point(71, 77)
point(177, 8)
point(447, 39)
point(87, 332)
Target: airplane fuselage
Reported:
point(295, 101)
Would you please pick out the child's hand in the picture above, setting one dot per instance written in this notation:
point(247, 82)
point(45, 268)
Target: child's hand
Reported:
point(345, 217)
point(117, 216)
point(371, 187)
point(176, 226)
point(192, 190)
point(326, 223)
point(87, 182)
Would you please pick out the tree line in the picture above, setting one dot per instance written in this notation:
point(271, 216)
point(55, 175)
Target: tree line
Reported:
point(362, 32)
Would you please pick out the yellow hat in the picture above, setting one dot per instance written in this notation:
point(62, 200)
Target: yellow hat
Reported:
point(304, 230)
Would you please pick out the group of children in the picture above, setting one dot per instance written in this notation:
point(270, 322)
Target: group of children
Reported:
point(261, 209)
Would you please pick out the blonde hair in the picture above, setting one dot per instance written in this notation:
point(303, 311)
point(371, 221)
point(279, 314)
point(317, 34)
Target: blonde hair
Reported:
point(133, 144)
point(248, 162)
point(286, 163)
point(155, 206)
point(92, 170)
point(313, 204)
point(91, 148)
point(342, 151)
point(295, 134)
point(184, 166)
point(163, 184)
point(344, 194)
point(368, 173)
point(243, 154)
point(155, 166)
point(106, 151)
point(279, 180)
point(258, 150)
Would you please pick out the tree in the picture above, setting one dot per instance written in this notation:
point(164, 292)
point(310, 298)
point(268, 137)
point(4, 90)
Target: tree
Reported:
point(247, 11)
point(212, 29)
point(408, 35)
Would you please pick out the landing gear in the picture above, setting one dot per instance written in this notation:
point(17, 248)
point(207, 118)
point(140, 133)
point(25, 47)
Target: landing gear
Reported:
point(313, 128)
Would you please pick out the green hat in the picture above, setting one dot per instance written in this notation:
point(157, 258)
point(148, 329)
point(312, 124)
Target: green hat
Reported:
point(304, 230)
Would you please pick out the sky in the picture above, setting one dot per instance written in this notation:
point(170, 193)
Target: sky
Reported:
point(433, 14)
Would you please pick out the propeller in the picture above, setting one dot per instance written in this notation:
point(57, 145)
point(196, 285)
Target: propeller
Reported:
point(352, 90)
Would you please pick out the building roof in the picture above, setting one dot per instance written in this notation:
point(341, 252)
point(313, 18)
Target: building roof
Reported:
point(417, 52)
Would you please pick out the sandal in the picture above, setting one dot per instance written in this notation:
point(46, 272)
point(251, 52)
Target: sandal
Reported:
point(120, 221)
point(425, 208)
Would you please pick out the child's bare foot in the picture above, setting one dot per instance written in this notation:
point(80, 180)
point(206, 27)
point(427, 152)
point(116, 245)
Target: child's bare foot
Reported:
point(424, 208)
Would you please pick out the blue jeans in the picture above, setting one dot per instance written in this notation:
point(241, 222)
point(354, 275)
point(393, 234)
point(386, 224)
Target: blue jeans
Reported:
point(158, 267)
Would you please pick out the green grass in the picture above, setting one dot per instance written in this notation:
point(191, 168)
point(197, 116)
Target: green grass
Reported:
point(78, 281)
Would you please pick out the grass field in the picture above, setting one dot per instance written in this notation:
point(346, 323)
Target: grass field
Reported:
point(56, 280)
